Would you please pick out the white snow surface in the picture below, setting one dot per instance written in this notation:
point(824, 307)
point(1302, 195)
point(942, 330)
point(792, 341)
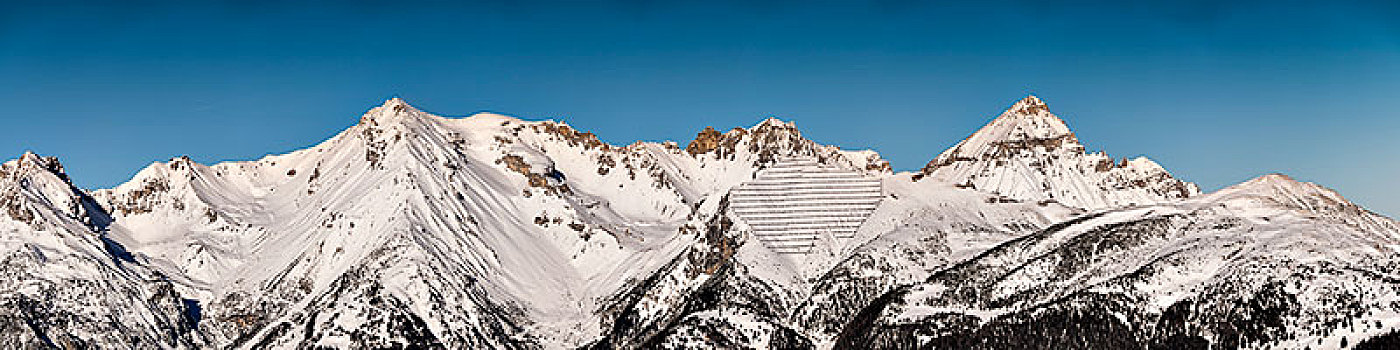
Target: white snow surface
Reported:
point(549, 220)
point(63, 280)
point(493, 229)
point(1234, 240)
point(1029, 154)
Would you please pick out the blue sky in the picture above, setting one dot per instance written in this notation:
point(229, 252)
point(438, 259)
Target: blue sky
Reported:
point(1217, 93)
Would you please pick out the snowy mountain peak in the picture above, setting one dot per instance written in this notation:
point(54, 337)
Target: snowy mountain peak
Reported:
point(411, 230)
point(396, 101)
point(766, 142)
point(35, 190)
point(1029, 105)
point(1278, 182)
point(1028, 119)
point(775, 122)
point(1028, 124)
point(67, 280)
point(1279, 196)
point(1143, 164)
point(1290, 191)
point(30, 161)
point(28, 155)
point(394, 109)
point(178, 167)
point(1027, 153)
point(493, 118)
point(181, 162)
point(1275, 179)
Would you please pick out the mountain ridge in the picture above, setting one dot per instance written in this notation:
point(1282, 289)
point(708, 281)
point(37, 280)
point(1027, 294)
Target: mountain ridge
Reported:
point(410, 229)
point(1028, 153)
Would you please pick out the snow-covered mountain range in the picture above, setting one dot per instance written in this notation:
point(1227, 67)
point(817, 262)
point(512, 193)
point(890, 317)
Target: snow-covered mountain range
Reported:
point(411, 230)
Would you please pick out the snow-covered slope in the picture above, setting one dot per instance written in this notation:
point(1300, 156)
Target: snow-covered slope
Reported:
point(1269, 263)
point(458, 223)
point(65, 283)
point(1029, 154)
point(412, 230)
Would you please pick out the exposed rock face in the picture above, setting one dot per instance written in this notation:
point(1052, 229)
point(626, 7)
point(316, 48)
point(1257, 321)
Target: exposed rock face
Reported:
point(764, 143)
point(706, 141)
point(1029, 154)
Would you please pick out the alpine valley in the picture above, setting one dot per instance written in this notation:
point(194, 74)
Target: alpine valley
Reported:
point(410, 230)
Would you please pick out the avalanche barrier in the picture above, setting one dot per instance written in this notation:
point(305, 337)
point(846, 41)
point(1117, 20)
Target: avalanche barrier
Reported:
point(794, 202)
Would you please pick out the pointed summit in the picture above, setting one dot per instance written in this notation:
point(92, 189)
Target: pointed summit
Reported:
point(396, 101)
point(393, 109)
point(30, 160)
point(29, 157)
point(33, 184)
point(1027, 124)
point(775, 122)
point(1029, 105)
point(1029, 154)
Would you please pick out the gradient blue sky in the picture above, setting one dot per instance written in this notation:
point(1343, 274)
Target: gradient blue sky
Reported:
point(1217, 93)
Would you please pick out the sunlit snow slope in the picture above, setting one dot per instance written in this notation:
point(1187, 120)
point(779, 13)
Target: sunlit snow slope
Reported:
point(412, 230)
point(1029, 154)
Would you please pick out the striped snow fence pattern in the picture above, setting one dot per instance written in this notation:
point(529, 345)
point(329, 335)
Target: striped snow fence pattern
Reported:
point(796, 201)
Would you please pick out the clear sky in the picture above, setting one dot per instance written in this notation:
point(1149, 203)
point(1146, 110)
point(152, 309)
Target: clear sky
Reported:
point(1217, 93)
